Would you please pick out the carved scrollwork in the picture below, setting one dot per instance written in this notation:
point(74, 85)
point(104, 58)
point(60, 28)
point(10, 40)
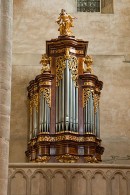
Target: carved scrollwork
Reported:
point(86, 96)
point(30, 106)
point(45, 61)
point(46, 95)
point(96, 98)
point(60, 66)
point(73, 66)
point(35, 101)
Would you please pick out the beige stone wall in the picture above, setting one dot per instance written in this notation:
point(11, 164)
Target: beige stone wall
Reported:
point(109, 43)
point(39, 179)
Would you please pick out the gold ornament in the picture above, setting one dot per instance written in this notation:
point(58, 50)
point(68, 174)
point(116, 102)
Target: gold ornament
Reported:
point(86, 95)
point(88, 61)
point(96, 101)
point(47, 95)
point(35, 101)
point(65, 22)
point(45, 61)
point(60, 66)
point(73, 66)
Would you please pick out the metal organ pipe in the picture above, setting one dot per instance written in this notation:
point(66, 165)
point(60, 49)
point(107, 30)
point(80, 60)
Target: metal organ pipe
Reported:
point(62, 103)
point(76, 109)
point(70, 101)
point(60, 100)
point(67, 96)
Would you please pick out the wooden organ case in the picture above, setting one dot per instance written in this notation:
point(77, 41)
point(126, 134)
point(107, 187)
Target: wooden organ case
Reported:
point(64, 102)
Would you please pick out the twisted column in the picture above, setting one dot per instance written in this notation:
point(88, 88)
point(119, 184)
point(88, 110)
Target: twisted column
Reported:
point(5, 88)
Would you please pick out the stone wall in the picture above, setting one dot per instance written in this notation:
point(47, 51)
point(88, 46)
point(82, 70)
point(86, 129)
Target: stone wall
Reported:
point(109, 44)
point(68, 179)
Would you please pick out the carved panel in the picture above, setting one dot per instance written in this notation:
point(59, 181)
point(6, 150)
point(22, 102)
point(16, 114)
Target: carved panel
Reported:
point(98, 184)
point(38, 184)
point(59, 184)
point(119, 184)
point(18, 185)
point(78, 185)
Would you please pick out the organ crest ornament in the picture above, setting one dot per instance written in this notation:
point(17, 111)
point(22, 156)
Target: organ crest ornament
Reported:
point(65, 22)
point(64, 102)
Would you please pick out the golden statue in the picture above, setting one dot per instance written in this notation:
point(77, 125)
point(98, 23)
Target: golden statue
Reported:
point(45, 61)
point(88, 61)
point(65, 21)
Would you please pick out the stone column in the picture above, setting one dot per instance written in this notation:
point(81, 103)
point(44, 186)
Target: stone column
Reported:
point(5, 88)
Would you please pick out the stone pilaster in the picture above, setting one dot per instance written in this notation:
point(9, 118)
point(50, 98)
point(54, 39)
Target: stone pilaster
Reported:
point(5, 88)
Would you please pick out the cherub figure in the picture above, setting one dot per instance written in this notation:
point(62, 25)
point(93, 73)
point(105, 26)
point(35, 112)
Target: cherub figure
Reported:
point(65, 21)
point(88, 61)
point(45, 61)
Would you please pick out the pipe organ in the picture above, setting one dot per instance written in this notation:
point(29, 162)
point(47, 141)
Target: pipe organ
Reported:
point(64, 102)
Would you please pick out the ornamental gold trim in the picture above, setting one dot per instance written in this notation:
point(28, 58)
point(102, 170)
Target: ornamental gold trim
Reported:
point(47, 95)
point(86, 96)
point(96, 98)
point(45, 61)
point(60, 66)
point(88, 63)
point(31, 106)
point(35, 101)
point(73, 66)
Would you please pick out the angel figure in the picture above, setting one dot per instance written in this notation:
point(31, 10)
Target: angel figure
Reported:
point(65, 21)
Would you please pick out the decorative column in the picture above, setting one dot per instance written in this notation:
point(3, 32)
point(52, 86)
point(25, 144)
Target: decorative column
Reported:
point(6, 7)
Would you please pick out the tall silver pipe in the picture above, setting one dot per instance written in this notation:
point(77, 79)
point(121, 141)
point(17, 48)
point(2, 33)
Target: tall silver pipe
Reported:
point(98, 123)
point(70, 102)
point(45, 116)
point(91, 113)
point(34, 122)
point(60, 100)
point(62, 103)
point(48, 119)
point(67, 96)
point(88, 116)
point(76, 108)
point(57, 108)
point(73, 95)
point(84, 117)
point(42, 112)
point(30, 128)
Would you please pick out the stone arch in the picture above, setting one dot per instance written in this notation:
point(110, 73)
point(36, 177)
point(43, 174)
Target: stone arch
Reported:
point(59, 177)
point(18, 183)
point(98, 182)
point(118, 183)
point(78, 183)
point(39, 183)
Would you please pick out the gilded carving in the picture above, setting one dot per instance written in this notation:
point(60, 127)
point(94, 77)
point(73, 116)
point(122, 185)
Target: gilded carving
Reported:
point(88, 61)
point(73, 66)
point(45, 61)
point(31, 106)
point(65, 22)
point(60, 66)
point(46, 94)
point(86, 95)
point(96, 98)
point(35, 101)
